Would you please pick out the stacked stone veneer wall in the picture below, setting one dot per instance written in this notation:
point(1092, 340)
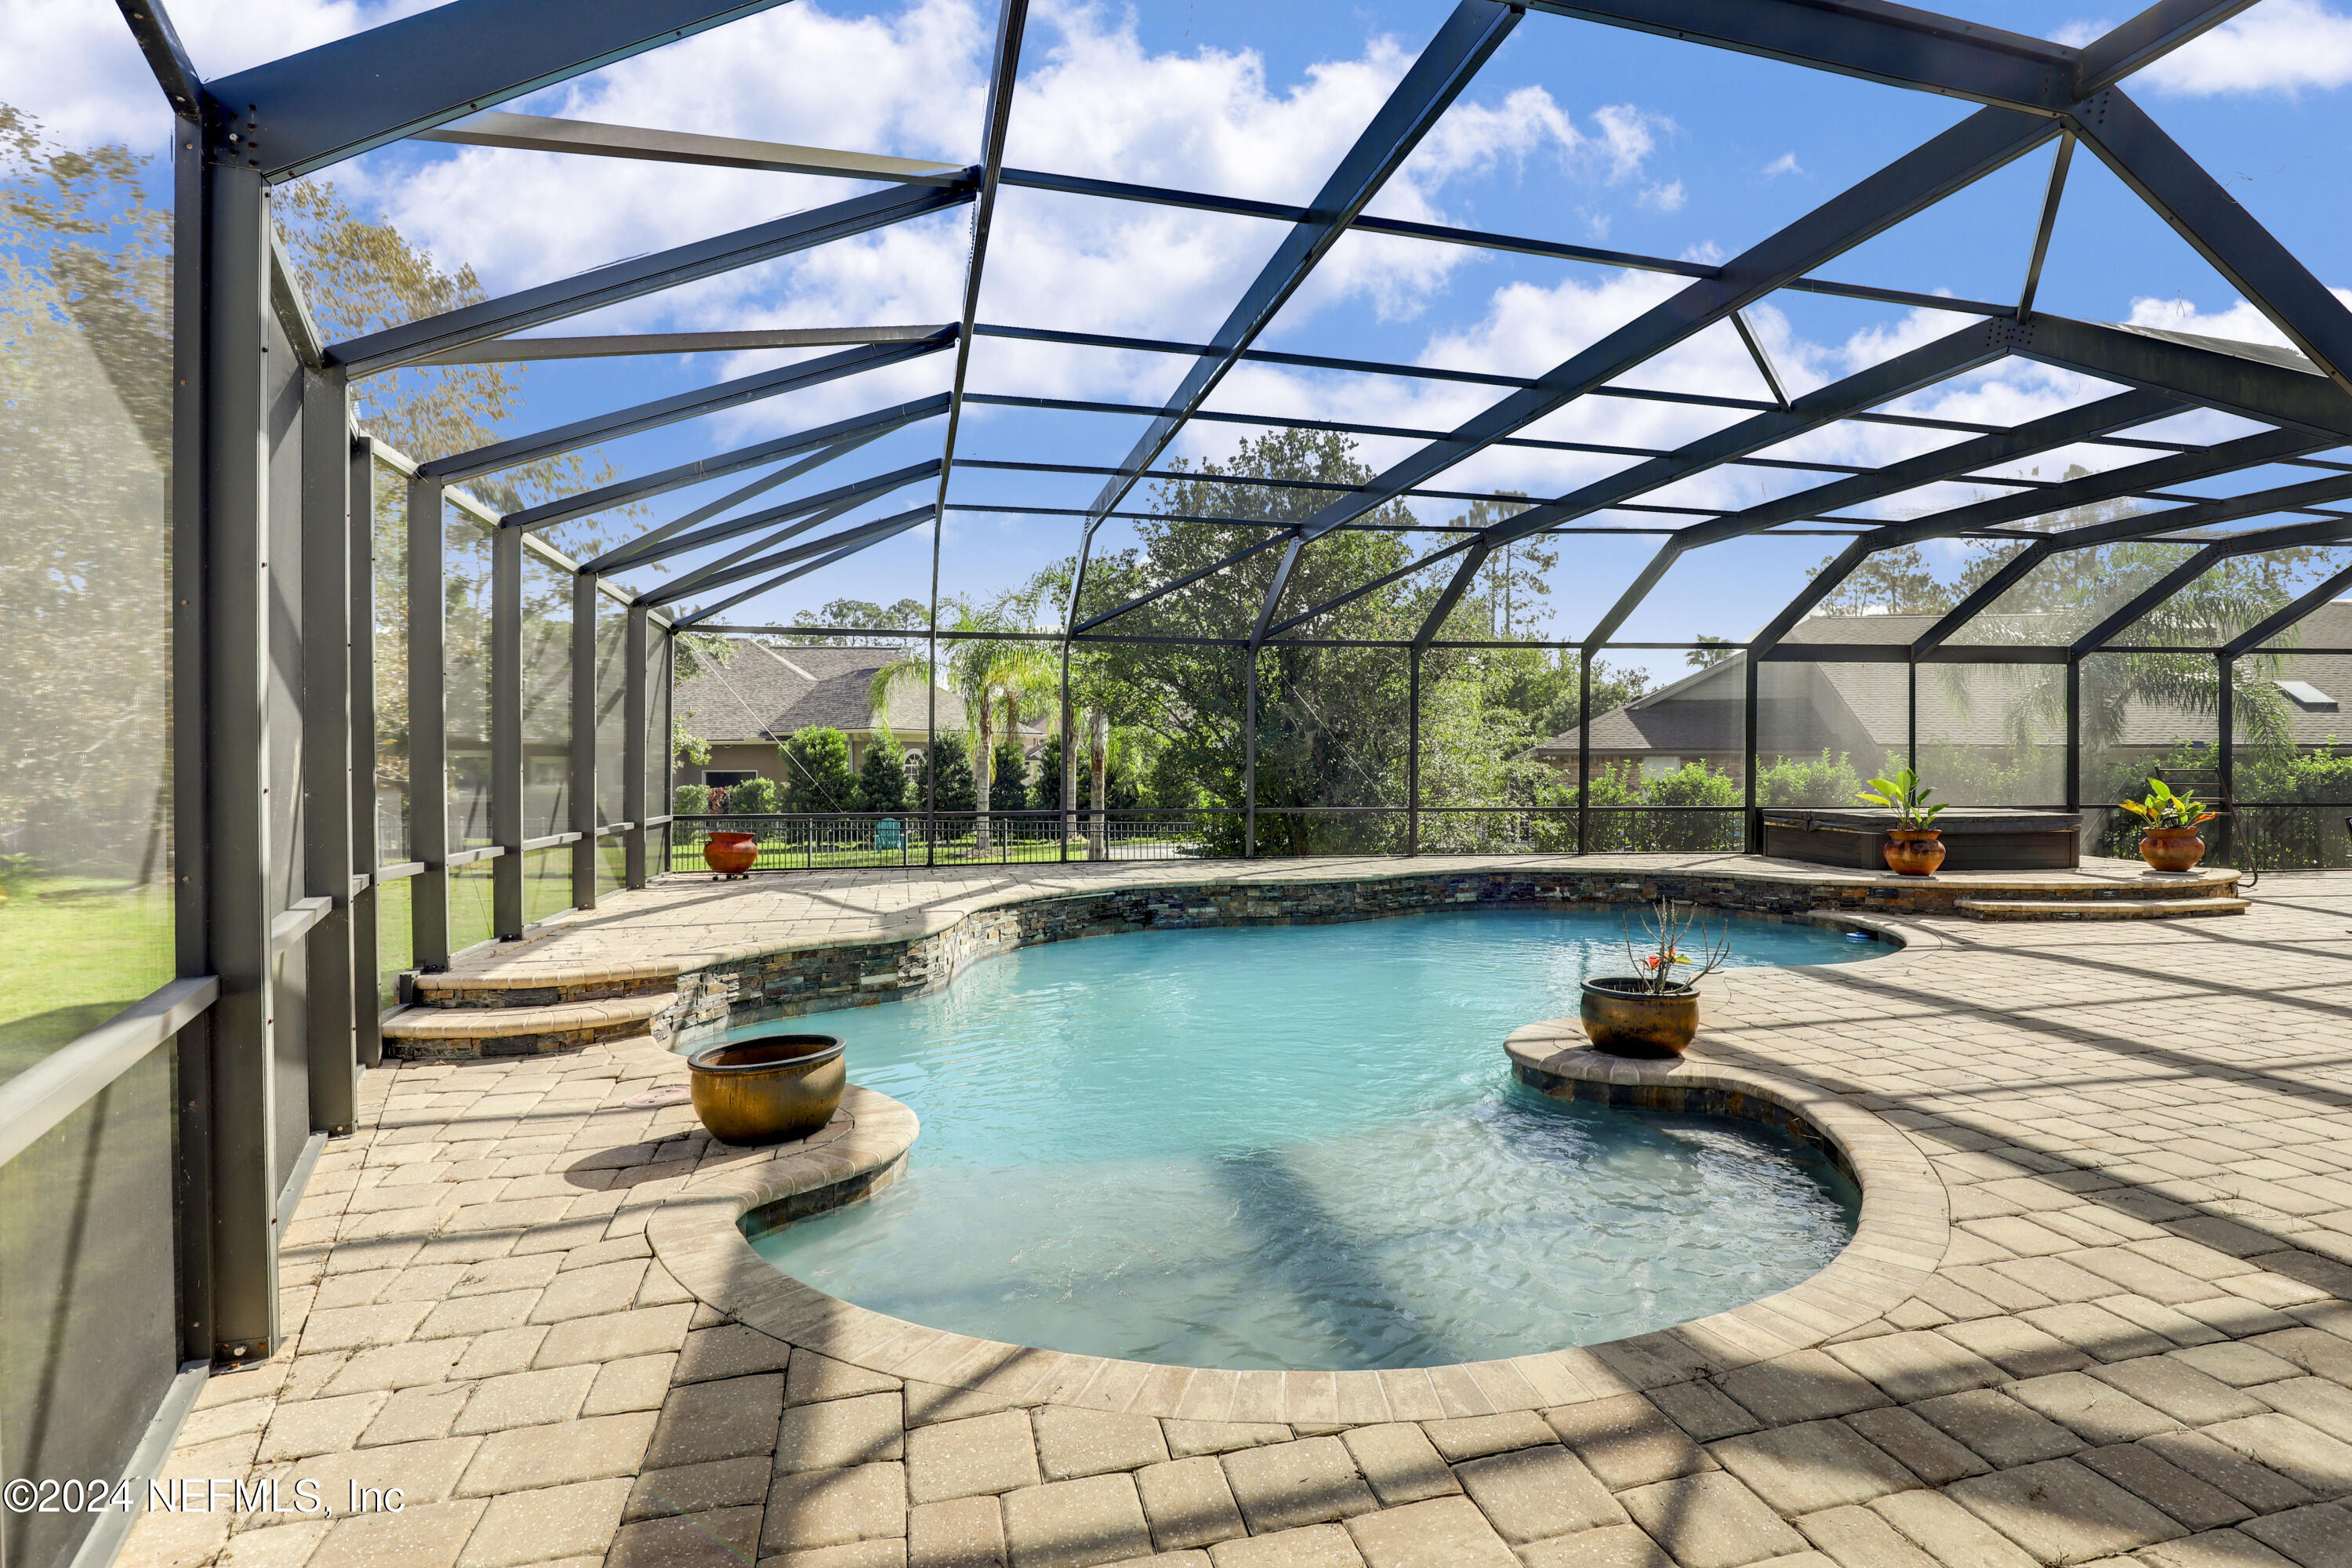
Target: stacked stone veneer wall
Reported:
point(787, 983)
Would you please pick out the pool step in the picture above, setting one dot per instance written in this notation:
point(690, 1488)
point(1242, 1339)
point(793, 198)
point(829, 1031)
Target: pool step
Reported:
point(2116, 908)
point(546, 986)
point(448, 1033)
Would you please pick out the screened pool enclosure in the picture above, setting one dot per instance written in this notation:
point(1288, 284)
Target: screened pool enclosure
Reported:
point(349, 695)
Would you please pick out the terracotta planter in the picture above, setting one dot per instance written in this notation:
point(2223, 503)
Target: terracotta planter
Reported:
point(768, 1088)
point(1624, 1020)
point(2172, 848)
point(730, 853)
point(1914, 851)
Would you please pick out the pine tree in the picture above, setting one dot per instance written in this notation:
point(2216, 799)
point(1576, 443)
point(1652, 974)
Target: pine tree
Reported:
point(1008, 777)
point(957, 789)
point(816, 772)
point(882, 776)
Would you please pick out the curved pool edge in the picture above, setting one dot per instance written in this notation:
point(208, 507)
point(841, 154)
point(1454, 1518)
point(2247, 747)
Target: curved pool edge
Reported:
point(766, 983)
point(1905, 1227)
point(1901, 1235)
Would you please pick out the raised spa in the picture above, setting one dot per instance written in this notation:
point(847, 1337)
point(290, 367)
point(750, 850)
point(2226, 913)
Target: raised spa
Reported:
point(1299, 1147)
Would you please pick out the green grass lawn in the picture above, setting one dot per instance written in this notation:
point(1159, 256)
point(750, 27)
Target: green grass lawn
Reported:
point(74, 951)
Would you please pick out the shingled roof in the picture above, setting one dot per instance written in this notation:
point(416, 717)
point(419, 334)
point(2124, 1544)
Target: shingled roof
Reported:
point(769, 690)
point(1802, 707)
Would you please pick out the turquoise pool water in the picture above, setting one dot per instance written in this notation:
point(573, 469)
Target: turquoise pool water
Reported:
point(1301, 1147)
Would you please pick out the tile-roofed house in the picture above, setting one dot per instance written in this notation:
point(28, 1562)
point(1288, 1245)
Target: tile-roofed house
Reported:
point(1861, 710)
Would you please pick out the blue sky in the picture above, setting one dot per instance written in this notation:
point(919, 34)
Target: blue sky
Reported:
point(1573, 131)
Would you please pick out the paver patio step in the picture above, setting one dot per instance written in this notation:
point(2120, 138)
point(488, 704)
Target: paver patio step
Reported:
point(446, 1034)
point(526, 984)
point(2118, 909)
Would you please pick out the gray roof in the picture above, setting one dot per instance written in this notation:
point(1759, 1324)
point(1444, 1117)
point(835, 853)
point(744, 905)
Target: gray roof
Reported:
point(769, 690)
point(1861, 708)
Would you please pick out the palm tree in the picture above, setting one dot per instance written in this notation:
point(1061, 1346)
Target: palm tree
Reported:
point(984, 670)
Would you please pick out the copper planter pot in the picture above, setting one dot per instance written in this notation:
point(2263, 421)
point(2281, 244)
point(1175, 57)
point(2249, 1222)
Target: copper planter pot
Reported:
point(1914, 851)
point(770, 1088)
point(730, 853)
point(2172, 848)
point(1625, 1020)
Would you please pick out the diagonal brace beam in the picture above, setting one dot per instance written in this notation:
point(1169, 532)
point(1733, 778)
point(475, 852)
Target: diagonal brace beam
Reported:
point(862, 428)
point(622, 280)
point(669, 410)
point(307, 110)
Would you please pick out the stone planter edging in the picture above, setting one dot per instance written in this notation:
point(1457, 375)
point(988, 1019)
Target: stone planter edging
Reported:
point(1902, 1236)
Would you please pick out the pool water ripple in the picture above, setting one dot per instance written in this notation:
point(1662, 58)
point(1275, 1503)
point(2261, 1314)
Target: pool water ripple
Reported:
point(1299, 1147)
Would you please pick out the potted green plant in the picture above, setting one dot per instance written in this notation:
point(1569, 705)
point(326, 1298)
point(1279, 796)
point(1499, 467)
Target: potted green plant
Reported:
point(1914, 846)
point(2168, 839)
point(1654, 1011)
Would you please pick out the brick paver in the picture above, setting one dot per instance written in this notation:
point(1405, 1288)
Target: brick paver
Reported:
point(2133, 1351)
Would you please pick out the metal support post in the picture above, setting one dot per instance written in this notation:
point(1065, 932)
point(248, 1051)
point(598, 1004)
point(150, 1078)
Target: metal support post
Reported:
point(1911, 712)
point(1412, 752)
point(1069, 780)
point(2073, 734)
point(636, 762)
point(367, 958)
point(506, 733)
point(585, 817)
point(1584, 751)
point(2225, 749)
point(332, 1016)
point(234, 617)
point(664, 675)
point(191, 731)
point(1249, 758)
point(428, 726)
point(1751, 831)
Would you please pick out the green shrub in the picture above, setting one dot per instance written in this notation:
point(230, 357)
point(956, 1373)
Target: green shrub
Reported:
point(754, 796)
point(816, 772)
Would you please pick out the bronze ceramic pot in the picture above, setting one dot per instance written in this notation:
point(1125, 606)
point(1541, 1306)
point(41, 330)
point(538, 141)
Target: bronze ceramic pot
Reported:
point(730, 853)
point(1625, 1020)
point(1914, 851)
point(2172, 848)
point(770, 1088)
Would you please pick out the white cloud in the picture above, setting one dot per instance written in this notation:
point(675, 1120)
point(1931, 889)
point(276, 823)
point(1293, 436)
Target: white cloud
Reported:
point(2242, 322)
point(1786, 163)
point(2279, 45)
point(1667, 198)
point(74, 67)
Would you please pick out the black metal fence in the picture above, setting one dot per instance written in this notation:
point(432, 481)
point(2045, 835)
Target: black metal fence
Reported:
point(846, 840)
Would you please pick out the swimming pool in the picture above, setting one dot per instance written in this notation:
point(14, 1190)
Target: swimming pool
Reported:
point(1299, 1147)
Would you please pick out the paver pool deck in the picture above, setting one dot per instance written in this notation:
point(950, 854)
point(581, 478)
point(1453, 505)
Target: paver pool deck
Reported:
point(2129, 1337)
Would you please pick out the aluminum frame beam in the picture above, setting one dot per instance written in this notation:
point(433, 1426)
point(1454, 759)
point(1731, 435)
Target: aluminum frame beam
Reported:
point(2262, 631)
point(340, 100)
point(1944, 463)
point(862, 532)
point(1474, 30)
point(680, 405)
point(1012, 23)
point(2084, 491)
point(1479, 240)
point(1984, 141)
point(1901, 46)
point(870, 535)
point(2204, 214)
point(621, 281)
point(731, 500)
point(2252, 388)
point(617, 345)
point(2124, 616)
point(539, 133)
point(1877, 42)
point(736, 527)
point(853, 431)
